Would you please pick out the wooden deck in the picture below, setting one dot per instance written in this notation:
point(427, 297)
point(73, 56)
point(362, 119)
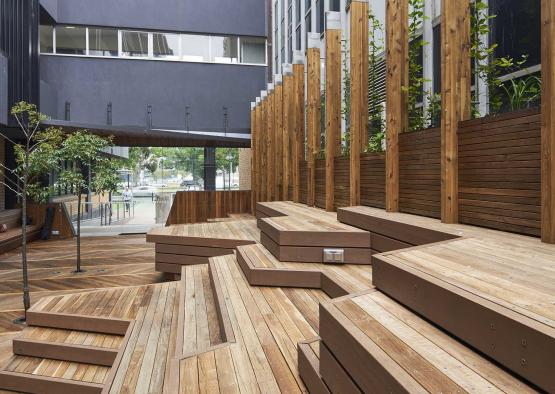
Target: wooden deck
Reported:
point(244, 321)
point(186, 244)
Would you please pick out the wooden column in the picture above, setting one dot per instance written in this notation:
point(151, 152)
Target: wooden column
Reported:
point(270, 152)
point(253, 157)
point(313, 112)
point(359, 92)
point(397, 62)
point(298, 121)
point(548, 121)
point(455, 95)
point(262, 145)
point(278, 136)
point(287, 129)
point(333, 101)
point(257, 155)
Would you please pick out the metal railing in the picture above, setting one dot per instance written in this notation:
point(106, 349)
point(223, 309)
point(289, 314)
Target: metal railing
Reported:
point(104, 213)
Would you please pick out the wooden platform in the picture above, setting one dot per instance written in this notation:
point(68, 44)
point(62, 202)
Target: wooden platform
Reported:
point(500, 285)
point(293, 232)
point(370, 343)
point(195, 243)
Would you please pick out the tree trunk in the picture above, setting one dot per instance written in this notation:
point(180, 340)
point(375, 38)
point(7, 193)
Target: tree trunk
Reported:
point(26, 297)
point(78, 233)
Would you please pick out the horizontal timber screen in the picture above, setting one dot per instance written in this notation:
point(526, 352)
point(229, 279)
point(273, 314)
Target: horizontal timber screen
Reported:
point(342, 181)
point(199, 206)
point(500, 172)
point(303, 176)
point(372, 179)
point(420, 172)
point(320, 174)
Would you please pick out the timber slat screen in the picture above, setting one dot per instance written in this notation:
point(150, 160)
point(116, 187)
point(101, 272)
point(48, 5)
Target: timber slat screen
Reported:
point(303, 177)
point(500, 172)
point(372, 180)
point(199, 206)
point(499, 167)
point(320, 173)
point(342, 185)
point(420, 172)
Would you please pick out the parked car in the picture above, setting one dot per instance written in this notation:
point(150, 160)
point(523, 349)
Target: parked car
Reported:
point(144, 191)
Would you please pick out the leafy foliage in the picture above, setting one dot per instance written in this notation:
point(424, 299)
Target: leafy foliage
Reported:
point(376, 120)
point(523, 93)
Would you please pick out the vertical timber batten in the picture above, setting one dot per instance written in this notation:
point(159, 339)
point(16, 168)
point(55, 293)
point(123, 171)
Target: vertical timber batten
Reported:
point(333, 101)
point(298, 122)
point(314, 102)
point(253, 156)
point(263, 145)
point(396, 95)
point(270, 153)
point(548, 122)
point(278, 136)
point(287, 129)
point(455, 96)
point(359, 92)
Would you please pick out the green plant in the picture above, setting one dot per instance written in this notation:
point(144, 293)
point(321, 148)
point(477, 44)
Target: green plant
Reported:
point(487, 66)
point(376, 47)
point(417, 119)
point(83, 149)
point(375, 142)
point(346, 99)
point(433, 111)
point(522, 93)
point(36, 154)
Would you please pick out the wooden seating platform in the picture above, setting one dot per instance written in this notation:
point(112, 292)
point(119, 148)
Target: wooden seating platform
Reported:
point(185, 244)
point(293, 232)
point(493, 290)
point(11, 239)
point(262, 269)
point(372, 344)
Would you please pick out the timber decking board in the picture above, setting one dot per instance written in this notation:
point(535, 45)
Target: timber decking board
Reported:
point(263, 268)
point(387, 348)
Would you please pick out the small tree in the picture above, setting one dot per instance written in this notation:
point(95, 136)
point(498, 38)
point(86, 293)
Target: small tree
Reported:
point(83, 148)
point(36, 153)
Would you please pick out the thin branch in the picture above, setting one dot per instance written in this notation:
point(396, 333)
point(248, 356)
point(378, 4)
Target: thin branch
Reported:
point(18, 193)
point(14, 172)
point(11, 180)
point(25, 131)
point(7, 138)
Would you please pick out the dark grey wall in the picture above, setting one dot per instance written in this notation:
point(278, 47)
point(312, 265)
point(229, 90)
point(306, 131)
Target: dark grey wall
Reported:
point(3, 89)
point(244, 17)
point(90, 83)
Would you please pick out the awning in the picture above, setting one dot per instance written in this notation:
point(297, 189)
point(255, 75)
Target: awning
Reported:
point(138, 136)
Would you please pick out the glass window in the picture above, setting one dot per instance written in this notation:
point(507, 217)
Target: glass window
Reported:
point(224, 49)
point(195, 48)
point(253, 50)
point(71, 40)
point(165, 45)
point(298, 11)
point(517, 29)
point(320, 18)
point(46, 39)
point(335, 5)
point(103, 42)
point(134, 43)
point(298, 37)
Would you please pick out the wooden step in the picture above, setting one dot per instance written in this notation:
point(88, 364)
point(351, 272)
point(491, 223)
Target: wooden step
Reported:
point(261, 268)
point(309, 366)
point(386, 348)
point(485, 293)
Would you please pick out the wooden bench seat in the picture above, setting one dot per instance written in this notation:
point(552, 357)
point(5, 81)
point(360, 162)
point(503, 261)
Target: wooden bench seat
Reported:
point(262, 269)
point(309, 366)
point(187, 244)
point(386, 348)
point(11, 239)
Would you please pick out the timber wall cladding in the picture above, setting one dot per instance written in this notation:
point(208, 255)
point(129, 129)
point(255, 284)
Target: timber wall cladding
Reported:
point(420, 172)
point(320, 173)
point(500, 172)
point(342, 181)
point(303, 180)
point(199, 206)
point(372, 179)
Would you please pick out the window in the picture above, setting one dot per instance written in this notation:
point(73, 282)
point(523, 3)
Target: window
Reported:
point(103, 42)
point(224, 49)
point(335, 5)
point(298, 38)
point(298, 11)
point(71, 40)
point(517, 29)
point(195, 48)
point(134, 43)
point(165, 45)
point(46, 39)
point(320, 18)
point(253, 50)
